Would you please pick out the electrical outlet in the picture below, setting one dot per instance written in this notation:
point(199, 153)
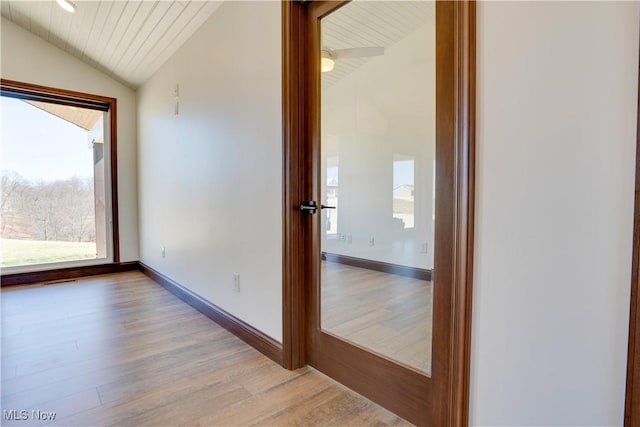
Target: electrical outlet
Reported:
point(236, 282)
point(372, 241)
point(164, 253)
point(424, 248)
point(342, 237)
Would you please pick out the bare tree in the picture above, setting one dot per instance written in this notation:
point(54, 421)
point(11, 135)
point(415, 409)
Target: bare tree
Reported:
point(60, 210)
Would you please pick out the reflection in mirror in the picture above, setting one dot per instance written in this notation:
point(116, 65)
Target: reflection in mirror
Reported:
point(403, 190)
point(378, 151)
point(331, 196)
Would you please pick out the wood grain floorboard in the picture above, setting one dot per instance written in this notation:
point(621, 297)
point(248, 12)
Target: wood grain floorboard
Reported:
point(119, 350)
point(387, 313)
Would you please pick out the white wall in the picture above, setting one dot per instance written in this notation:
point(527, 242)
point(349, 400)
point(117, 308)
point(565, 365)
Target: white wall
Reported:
point(211, 178)
point(27, 58)
point(557, 91)
point(384, 107)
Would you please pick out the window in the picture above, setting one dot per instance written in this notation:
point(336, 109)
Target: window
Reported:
point(333, 171)
point(58, 179)
point(403, 190)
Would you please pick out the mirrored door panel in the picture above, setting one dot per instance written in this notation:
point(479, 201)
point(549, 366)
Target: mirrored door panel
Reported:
point(377, 177)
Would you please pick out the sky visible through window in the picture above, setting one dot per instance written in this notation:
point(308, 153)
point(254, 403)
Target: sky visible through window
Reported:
point(403, 190)
point(48, 201)
point(40, 146)
point(403, 172)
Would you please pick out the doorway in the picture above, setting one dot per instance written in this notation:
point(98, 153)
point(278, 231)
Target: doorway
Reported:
point(379, 199)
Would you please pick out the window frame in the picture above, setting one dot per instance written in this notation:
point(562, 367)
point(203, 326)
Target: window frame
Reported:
point(108, 105)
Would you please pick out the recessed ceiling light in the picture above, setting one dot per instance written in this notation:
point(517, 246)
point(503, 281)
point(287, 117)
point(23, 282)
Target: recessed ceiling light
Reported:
point(67, 5)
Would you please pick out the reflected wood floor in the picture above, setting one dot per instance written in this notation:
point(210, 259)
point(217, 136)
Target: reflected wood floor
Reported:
point(121, 350)
point(387, 313)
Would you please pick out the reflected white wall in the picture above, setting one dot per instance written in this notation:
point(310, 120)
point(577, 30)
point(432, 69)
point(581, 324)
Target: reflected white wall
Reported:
point(381, 112)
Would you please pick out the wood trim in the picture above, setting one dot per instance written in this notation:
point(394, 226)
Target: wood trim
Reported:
point(456, 406)
point(632, 399)
point(293, 290)
point(61, 93)
point(454, 231)
point(385, 267)
point(115, 221)
point(66, 97)
point(30, 278)
point(255, 338)
point(401, 389)
point(258, 340)
point(447, 391)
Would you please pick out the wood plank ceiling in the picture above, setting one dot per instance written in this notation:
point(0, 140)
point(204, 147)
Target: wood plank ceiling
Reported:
point(128, 40)
point(368, 24)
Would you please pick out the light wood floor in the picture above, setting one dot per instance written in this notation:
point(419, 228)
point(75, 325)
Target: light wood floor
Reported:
point(387, 313)
point(121, 350)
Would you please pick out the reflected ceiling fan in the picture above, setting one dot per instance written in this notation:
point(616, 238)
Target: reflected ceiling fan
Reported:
point(329, 57)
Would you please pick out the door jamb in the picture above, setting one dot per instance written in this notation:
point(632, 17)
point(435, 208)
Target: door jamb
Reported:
point(293, 292)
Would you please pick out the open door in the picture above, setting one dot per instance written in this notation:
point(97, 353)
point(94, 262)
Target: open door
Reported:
point(379, 200)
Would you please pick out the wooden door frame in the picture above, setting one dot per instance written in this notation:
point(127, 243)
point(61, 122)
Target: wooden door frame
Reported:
point(455, 43)
point(632, 401)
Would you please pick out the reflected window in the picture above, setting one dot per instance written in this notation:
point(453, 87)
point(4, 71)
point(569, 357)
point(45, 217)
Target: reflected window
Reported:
point(404, 190)
point(332, 197)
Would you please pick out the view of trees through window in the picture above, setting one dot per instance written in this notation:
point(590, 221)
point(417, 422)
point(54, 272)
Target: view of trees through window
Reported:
point(52, 183)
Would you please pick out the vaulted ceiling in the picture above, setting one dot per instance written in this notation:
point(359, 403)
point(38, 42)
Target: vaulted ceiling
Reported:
point(371, 23)
point(128, 40)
